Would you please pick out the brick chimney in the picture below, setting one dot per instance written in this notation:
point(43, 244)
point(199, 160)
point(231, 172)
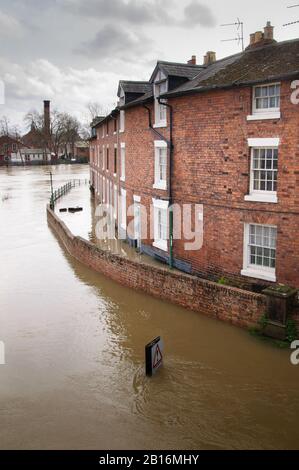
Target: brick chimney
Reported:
point(192, 61)
point(47, 117)
point(260, 38)
point(209, 58)
point(269, 31)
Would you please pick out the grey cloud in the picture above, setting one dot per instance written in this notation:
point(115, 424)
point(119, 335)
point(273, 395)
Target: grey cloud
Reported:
point(142, 12)
point(34, 4)
point(132, 11)
point(115, 42)
point(198, 14)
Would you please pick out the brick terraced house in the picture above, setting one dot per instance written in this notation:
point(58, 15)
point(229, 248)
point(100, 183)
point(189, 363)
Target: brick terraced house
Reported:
point(224, 135)
point(9, 146)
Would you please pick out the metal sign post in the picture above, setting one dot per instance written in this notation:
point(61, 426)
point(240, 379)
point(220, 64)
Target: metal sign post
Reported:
point(153, 356)
point(52, 195)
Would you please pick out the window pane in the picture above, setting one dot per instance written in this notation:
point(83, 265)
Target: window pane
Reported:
point(264, 159)
point(262, 245)
point(258, 92)
point(267, 96)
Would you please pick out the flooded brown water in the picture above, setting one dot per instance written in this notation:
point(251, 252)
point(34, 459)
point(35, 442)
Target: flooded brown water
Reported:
point(74, 373)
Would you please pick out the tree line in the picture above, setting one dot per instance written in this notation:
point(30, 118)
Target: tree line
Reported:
point(65, 129)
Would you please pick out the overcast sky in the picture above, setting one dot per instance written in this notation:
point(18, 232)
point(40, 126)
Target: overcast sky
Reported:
point(75, 51)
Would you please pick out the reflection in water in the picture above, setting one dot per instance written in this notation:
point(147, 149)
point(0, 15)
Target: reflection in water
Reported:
point(84, 224)
point(75, 352)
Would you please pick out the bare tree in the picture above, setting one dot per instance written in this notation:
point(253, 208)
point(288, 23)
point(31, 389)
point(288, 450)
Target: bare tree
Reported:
point(64, 130)
point(12, 133)
point(95, 109)
point(70, 134)
point(84, 132)
point(4, 126)
point(35, 122)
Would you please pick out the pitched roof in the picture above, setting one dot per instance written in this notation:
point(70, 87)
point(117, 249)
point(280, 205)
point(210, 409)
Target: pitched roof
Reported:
point(8, 139)
point(138, 87)
point(142, 99)
point(34, 138)
point(97, 120)
point(172, 69)
point(175, 69)
point(257, 65)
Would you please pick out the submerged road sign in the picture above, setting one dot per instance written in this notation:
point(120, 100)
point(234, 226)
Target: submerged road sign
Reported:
point(153, 356)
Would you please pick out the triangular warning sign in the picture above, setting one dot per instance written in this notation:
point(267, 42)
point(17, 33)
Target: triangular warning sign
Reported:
point(157, 357)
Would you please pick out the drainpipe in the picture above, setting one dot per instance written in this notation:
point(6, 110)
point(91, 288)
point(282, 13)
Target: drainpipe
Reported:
point(171, 148)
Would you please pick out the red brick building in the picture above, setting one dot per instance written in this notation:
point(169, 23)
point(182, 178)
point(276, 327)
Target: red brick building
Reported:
point(9, 146)
point(227, 140)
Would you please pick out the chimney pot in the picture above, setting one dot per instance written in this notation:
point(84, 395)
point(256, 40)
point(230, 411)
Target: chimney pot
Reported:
point(192, 61)
point(258, 37)
point(269, 31)
point(262, 38)
point(209, 58)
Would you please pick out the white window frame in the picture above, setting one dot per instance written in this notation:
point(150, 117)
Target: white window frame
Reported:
point(160, 205)
point(157, 83)
point(111, 194)
point(122, 120)
point(160, 183)
point(115, 148)
point(104, 189)
point(264, 113)
point(107, 158)
point(103, 131)
point(115, 201)
point(98, 184)
point(123, 209)
point(251, 270)
point(103, 158)
point(254, 195)
point(123, 162)
point(107, 189)
point(137, 200)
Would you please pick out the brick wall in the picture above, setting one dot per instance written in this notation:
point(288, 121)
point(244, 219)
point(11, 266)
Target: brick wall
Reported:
point(211, 164)
point(229, 304)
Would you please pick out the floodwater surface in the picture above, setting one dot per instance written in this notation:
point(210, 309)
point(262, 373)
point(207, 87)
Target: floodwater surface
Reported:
point(74, 342)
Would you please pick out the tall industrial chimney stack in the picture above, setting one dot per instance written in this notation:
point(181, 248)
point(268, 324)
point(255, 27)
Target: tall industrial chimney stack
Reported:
point(47, 117)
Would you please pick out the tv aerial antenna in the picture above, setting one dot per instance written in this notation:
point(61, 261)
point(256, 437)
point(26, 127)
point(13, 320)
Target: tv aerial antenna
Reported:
point(240, 32)
point(293, 22)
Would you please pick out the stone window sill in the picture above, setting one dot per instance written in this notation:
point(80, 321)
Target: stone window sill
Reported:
point(264, 116)
point(161, 186)
point(264, 275)
point(161, 244)
point(160, 124)
point(270, 198)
